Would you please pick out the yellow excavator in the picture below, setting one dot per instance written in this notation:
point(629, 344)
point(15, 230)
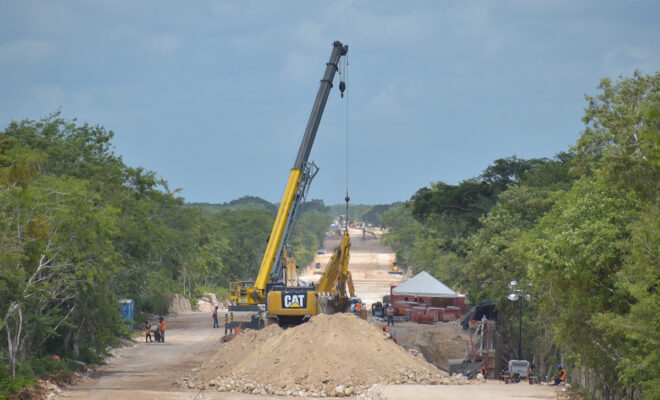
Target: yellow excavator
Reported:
point(278, 294)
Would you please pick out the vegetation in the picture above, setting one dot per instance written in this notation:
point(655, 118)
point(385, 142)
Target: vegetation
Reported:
point(81, 229)
point(580, 232)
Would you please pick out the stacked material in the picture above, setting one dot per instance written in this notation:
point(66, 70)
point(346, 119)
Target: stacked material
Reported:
point(331, 355)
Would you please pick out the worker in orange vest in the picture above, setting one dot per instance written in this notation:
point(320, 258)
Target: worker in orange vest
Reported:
point(147, 332)
point(358, 308)
point(484, 371)
point(561, 375)
point(56, 356)
point(161, 328)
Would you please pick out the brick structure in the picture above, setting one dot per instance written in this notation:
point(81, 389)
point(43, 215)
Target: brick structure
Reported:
point(423, 298)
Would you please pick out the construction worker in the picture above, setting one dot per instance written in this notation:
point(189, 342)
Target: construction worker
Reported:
point(390, 315)
point(56, 356)
point(161, 329)
point(215, 317)
point(226, 323)
point(504, 374)
point(147, 332)
point(358, 308)
point(231, 322)
point(484, 371)
point(561, 375)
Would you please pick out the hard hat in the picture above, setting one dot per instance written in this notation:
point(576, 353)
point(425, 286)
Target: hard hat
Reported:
point(160, 318)
point(559, 366)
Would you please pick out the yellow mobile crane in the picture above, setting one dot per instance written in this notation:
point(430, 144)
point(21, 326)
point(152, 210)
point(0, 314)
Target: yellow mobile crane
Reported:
point(277, 293)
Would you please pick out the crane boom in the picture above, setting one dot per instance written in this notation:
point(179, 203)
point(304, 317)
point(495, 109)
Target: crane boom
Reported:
point(296, 189)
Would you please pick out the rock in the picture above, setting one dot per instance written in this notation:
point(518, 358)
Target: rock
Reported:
point(339, 391)
point(348, 391)
point(178, 304)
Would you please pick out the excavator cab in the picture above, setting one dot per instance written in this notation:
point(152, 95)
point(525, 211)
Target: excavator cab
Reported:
point(239, 292)
point(395, 269)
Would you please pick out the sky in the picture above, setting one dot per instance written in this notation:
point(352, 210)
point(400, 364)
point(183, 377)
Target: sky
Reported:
point(215, 95)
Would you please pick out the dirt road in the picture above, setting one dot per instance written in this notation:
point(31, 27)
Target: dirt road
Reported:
point(369, 264)
point(148, 370)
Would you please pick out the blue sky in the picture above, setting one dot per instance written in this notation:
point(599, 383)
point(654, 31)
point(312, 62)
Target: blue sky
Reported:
point(214, 95)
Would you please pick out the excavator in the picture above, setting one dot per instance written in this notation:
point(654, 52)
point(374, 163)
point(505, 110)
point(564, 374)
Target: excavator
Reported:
point(278, 295)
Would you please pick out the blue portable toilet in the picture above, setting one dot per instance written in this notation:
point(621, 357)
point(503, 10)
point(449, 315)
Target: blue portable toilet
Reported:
point(127, 309)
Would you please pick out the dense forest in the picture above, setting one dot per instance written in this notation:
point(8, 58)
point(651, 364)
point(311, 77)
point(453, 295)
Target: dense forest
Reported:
point(579, 232)
point(81, 229)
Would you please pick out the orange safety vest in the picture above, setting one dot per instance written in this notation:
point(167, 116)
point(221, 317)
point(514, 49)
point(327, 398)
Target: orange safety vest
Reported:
point(562, 374)
point(484, 371)
point(358, 306)
point(56, 357)
point(161, 327)
point(147, 329)
point(390, 312)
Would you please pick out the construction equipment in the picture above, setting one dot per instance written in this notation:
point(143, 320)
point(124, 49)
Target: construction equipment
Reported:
point(277, 293)
point(480, 350)
point(395, 269)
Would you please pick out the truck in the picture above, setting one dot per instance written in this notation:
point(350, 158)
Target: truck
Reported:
point(277, 294)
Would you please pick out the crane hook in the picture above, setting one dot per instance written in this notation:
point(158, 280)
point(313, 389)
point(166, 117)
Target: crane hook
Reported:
point(342, 88)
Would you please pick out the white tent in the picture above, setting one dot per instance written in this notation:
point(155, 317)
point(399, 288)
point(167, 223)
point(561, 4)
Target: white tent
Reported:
point(423, 285)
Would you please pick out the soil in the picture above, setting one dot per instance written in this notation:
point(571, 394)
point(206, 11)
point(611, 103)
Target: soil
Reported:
point(328, 352)
point(178, 304)
point(438, 342)
point(490, 390)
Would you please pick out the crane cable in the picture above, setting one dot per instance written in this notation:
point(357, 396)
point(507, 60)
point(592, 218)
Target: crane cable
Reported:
point(345, 80)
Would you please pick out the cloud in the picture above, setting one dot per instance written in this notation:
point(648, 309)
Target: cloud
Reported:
point(225, 9)
point(162, 44)
point(392, 103)
point(298, 66)
point(26, 51)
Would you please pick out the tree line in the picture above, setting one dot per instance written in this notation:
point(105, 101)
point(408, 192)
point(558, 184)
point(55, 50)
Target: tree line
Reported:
point(579, 231)
point(81, 229)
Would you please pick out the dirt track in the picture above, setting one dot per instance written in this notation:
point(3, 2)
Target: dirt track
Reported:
point(148, 370)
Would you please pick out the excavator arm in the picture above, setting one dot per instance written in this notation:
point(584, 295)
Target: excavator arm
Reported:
point(336, 279)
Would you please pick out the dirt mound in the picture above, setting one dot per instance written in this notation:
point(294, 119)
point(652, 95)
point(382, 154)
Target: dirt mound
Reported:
point(207, 303)
point(178, 304)
point(329, 355)
point(439, 342)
